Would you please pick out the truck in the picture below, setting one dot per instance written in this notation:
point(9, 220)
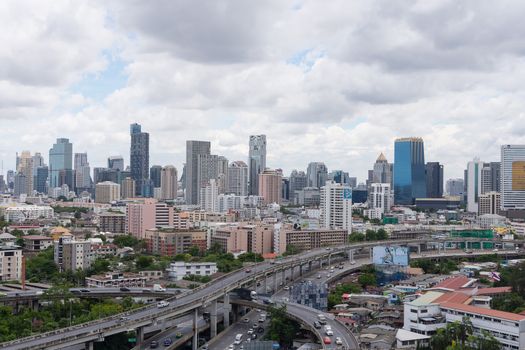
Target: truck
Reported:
point(158, 288)
point(245, 293)
point(321, 318)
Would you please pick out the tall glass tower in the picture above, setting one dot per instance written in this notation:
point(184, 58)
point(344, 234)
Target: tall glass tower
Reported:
point(256, 161)
point(60, 158)
point(139, 157)
point(409, 170)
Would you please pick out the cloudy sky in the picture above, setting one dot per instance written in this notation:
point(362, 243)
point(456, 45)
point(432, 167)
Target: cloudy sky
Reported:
point(333, 81)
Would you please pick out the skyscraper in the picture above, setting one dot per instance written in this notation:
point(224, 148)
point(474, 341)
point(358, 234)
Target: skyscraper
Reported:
point(382, 172)
point(455, 187)
point(116, 163)
point(512, 177)
point(409, 170)
point(209, 197)
point(222, 174)
point(154, 175)
point(238, 178)
point(434, 179)
point(298, 181)
point(82, 172)
point(60, 158)
point(25, 166)
point(270, 186)
point(336, 206)
point(316, 174)
point(256, 161)
point(139, 157)
point(339, 176)
point(168, 182)
point(474, 184)
point(207, 169)
point(127, 188)
point(41, 177)
point(193, 150)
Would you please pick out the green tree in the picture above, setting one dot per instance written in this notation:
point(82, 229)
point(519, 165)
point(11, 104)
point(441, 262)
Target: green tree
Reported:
point(99, 266)
point(291, 250)
point(42, 267)
point(381, 234)
point(512, 302)
point(356, 237)
point(144, 262)
point(282, 329)
point(371, 235)
point(367, 279)
point(78, 214)
point(335, 296)
point(194, 251)
point(125, 241)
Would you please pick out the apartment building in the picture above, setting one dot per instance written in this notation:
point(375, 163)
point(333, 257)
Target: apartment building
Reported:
point(179, 269)
point(168, 241)
point(10, 262)
point(111, 221)
point(116, 280)
point(256, 238)
point(309, 239)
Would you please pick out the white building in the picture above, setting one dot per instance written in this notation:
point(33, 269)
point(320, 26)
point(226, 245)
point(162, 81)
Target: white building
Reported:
point(229, 202)
point(238, 178)
point(209, 197)
point(336, 206)
point(491, 220)
point(512, 177)
point(474, 184)
point(10, 262)
point(72, 255)
point(168, 182)
point(423, 315)
point(177, 270)
point(28, 212)
point(380, 198)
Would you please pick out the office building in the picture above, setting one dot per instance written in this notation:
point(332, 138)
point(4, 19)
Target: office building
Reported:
point(455, 187)
point(336, 206)
point(154, 175)
point(495, 176)
point(382, 172)
point(285, 188)
point(308, 196)
point(339, 176)
point(20, 185)
point(82, 172)
point(127, 188)
point(179, 269)
point(489, 203)
point(10, 179)
point(25, 167)
point(298, 181)
point(316, 174)
point(60, 158)
point(116, 163)
point(409, 170)
point(379, 200)
point(41, 177)
point(168, 182)
point(207, 169)
point(270, 186)
point(238, 178)
point(194, 149)
point(35, 244)
point(10, 262)
point(304, 240)
point(434, 179)
point(72, 255)
point(512, 177)
point(38, 161)
point(167, 241)
point(474, 184)
point(222, 174)
point(139, 158)
point(244, 238)
point(107, 192)
point(209, 197)
point(256, 161)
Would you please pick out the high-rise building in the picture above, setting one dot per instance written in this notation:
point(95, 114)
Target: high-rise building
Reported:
point(154, 175)
point(474, 184)
point(82, 172)
point(209, 197)
point(455, 187)
point(60, 158)
point(25, 166)
point(270, 186)
point(409, 170)
point(256, 161)
point(382, 172)
point(222, 174)
point(238, 178)
point(512, 177)
point(298, 181)
point(116, 163)
point(127, 188)
point(285, 188)
point(38, 161)
point(139, 157)
point(42, 174)
point(168, 182)
point(336, 206)
point(207, 169)
point(316, 174)
point(490, 177)
point(20, 184)
point(339, 176)
point(489, 203)
point(495, 176)
point(434, 179)
point(379, 199)
point(194, 149)
point(10, 179)
point(107, 192)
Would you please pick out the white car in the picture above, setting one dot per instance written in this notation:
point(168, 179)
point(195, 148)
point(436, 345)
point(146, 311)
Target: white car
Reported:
point(286, 288)
point(250, 331)
point(231, 347)
point(329, 333)
point(327, 327)
point(338, 341)
point(246, 320)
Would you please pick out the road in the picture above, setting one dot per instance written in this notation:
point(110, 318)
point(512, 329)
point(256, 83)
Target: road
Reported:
point(227, 337)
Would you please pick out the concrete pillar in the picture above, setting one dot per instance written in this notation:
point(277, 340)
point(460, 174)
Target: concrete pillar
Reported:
point(195, 341)
point(419, 249)
point(140, 335)
point(371, 253)
point(283, 276)
point(329, 258)
point(301, 270)
point(265, 283)
point(291, 273)
point(235, 313)
point(213, 319)
point(89, 345)
point(274, 277)
point(310, 266)
point(227, 308)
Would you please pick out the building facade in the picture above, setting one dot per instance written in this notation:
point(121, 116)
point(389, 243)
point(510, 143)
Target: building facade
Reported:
point(194, 149)
point(270, 186)
point(168, 182)
point(409, 170)
point(256, 161)
point(336, 206)
point(434, 179)
point(179, 269)
point(512, 177)
point(238, 178)
point(60, 158)
point(316, 174)
point(107, 192)
point(139, 157)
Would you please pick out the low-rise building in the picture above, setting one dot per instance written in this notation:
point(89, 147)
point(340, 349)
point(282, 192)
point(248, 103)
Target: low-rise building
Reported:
point(72, 255)
point(177, 270)
point(35, 244)
point(114, 222)
point(309, 239)
point(10, 262)
point(28, 212)
point(168, 241)
point(115, 280)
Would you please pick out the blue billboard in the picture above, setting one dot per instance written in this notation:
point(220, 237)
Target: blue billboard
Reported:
point(395, 256)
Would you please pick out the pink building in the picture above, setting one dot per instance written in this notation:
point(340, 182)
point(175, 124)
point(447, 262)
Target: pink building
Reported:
point(257, 238)
point(270, 186)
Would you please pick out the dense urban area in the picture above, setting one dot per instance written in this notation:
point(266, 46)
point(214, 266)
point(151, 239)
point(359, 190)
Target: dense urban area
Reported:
point(402, 260)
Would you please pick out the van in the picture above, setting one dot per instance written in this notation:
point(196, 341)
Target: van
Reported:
point(321, 318)
point(163, 303)
point(238, 339)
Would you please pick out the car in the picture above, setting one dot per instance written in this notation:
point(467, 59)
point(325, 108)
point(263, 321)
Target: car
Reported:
point(163, 303)
point(246, 320)
point(317, 325)
point(327, 327)
point(124, 289)
point(231, 347)
point(146, 290)
point(205, 347)
point(327, 340)
point(495, 250)
point(352, 262)
point(329, 333)
point(328, 248)
point(124, 318)
point(286, 288)
point(318, 277)
point(167, 342)
point(254, 336)
point(338, 341)
point(178, 335)
point(255, 326)
point(75, 291)
point(153, 344)
point(248, 270)
point(262, 319)
point(250, 331)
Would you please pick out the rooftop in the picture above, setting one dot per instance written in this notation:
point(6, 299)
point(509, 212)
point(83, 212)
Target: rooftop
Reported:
point(404, 335)
point(482, 311)
point(454, 297)
point(494, 290)
point(37, 238)
point(455, 283)
point(427, 298)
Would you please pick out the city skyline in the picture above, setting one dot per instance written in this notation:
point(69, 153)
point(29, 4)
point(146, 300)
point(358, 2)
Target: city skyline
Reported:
point(347, 80)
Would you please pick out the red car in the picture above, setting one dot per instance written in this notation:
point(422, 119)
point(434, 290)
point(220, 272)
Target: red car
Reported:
point(327, 340)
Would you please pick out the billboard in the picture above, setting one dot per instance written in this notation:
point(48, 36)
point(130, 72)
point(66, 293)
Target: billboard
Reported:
point(396, 256)
point(518, 176)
